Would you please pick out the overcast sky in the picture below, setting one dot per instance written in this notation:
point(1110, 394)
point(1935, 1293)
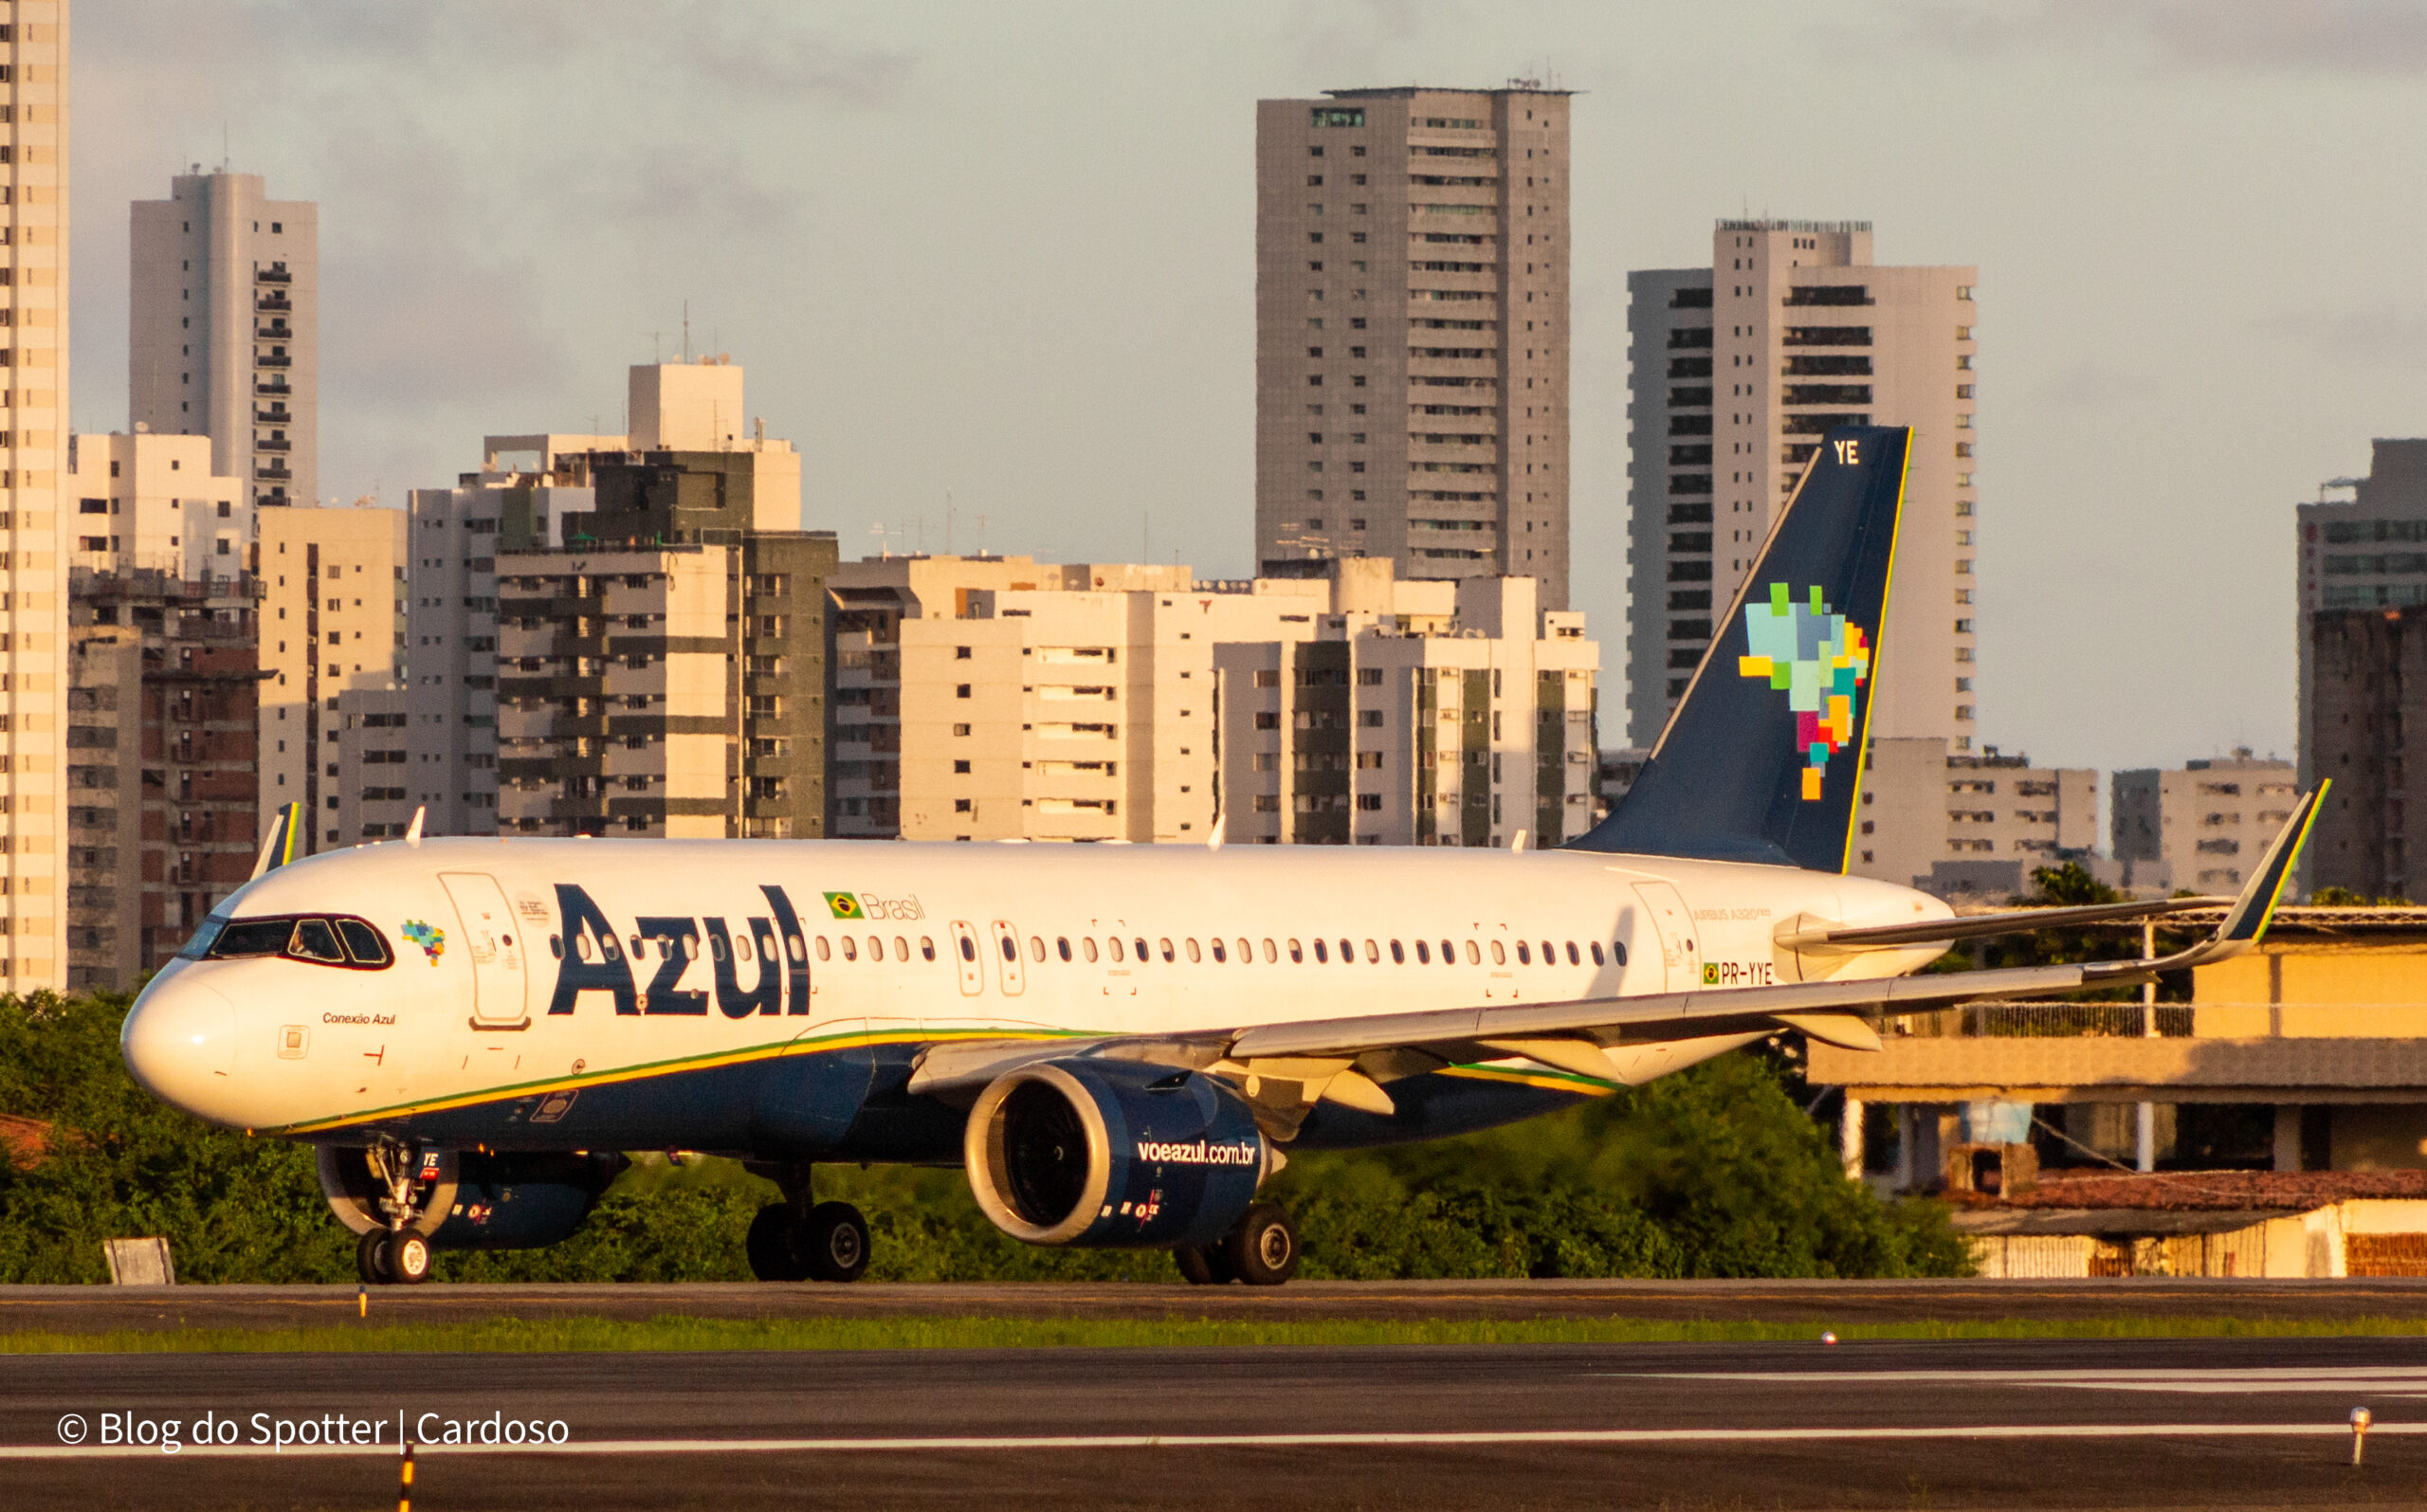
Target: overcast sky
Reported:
point(1004, 252)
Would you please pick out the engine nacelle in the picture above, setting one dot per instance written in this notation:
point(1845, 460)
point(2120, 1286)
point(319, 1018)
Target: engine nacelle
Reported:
point(1113, 1153)
point(466, 1200)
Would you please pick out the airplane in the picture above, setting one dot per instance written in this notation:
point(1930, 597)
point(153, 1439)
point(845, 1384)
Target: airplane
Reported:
point(1118, 1043)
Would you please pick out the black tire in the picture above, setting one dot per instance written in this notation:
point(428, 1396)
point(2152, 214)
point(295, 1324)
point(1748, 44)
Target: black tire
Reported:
point(371, 1258)
point(408, 1259)
point(1262, 1250)
point(833, 1241)
point(1204, 1264)
point(773, 1244)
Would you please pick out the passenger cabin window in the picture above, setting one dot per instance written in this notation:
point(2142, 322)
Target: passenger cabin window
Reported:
point(823, 952)
point(1062, 945)
point(1619, 952)
point(325, 942)
point(901, 949)
point(1499, 954)
point(1597, 952)
point(1218, 955)
point(1036, 947)
point(1116, 947)
point(1398, 954)
point(1524, 955)
point(927, 947)
point(1087, 944)
point(1423, 954)
point(1320, 954)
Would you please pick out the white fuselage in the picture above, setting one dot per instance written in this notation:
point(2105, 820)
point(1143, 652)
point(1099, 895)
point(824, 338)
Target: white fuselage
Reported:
point(906, 945)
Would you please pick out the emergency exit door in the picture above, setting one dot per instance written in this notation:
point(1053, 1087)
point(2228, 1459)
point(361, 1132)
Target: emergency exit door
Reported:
point(964, 956)
point(501, 983)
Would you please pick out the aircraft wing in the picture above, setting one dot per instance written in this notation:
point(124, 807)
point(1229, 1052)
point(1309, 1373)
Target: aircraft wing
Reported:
point(1347, 1060)
point(1978, 926)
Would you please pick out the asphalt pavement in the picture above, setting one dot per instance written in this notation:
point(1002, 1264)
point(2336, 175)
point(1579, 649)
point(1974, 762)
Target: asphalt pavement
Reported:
point(94, 1309)
point(2211, 1423)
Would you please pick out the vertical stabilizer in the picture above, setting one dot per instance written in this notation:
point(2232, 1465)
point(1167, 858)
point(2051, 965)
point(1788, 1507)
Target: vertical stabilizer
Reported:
point(1763, 759)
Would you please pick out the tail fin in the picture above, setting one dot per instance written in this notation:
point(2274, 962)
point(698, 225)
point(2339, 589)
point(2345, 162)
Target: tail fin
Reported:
point(1763, 757)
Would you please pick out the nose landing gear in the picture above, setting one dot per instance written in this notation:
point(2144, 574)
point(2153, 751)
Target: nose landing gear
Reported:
point(396, 1254)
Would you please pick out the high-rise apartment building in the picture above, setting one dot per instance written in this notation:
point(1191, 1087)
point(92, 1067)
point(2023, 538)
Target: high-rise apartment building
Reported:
point(2365, 692)
point(1976, 824)
point(2201, 825)
point(524, 485)
point(1412, 714)
point(1412, 333)
point(999, 698)
point(332, 622)
point(1737, 371)
point(163, 735)
point(33, 472)
point(151, 504)
point(660, 627)
point(223, 339)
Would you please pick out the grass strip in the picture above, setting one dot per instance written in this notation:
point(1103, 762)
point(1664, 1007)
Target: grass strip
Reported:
point(606, 1335)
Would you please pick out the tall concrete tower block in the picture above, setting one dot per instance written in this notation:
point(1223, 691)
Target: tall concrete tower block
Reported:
point(225, 330)
point(33, 474)
point(1738, 372)
point(1412, 334)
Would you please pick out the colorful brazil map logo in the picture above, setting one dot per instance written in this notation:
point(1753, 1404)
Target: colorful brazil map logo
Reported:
point(432, 939)
point(844, 906)
point(1819, 660)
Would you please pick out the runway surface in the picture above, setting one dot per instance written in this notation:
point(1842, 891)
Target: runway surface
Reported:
point(92, 1309)
point(2142, 1423)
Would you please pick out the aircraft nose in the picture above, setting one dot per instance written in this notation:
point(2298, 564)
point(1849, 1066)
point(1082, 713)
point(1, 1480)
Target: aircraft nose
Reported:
point(180, 1043)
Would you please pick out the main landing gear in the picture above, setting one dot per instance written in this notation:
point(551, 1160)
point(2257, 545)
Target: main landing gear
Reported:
point(796, 1240)
point(1260, 1250)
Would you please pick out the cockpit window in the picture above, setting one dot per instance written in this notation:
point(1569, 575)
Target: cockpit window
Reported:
point(363, 942)
point(327, 941)
point(252, 936)
point(316, 940)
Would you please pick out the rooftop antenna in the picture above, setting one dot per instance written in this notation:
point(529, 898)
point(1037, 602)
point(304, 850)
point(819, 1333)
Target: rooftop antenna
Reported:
point(981, 535)
point(226, 157)
point(687, 330)
point(656, 348)
point(877, 528)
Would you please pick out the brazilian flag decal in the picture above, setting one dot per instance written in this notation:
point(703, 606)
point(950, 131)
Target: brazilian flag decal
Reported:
point(846, 905)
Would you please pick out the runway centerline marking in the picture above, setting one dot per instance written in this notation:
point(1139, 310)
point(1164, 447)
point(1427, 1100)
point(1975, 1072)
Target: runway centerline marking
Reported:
point(1085, 1443)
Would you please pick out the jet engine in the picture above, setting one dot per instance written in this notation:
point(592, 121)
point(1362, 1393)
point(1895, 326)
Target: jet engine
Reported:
point(1113, 1153)
point(466, 1200)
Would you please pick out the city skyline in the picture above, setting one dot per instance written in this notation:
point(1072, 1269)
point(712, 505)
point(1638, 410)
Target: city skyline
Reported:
point(480, 265)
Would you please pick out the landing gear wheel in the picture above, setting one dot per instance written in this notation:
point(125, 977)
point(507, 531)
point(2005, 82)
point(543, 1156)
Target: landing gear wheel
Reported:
point(408, 1259)
point(833, 1241)
point(774, 1245)
point(1204, 1264)
point(1262, 1250)
point(371, 1258)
